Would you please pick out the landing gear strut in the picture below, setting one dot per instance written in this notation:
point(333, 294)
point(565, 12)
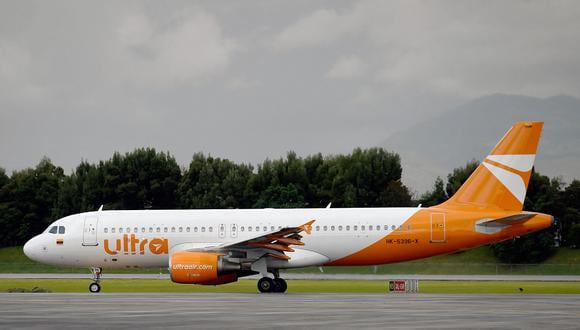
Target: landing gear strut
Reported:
point(95, 286)
point(266, 284)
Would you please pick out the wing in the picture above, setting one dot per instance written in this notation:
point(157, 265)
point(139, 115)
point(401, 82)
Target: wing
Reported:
point(270, 244)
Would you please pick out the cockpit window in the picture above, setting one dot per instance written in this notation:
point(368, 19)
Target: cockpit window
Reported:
point(53, 230)
point(61, 229)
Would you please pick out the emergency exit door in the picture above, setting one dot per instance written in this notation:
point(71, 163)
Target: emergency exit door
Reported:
point(90, 230)
point(437, 228)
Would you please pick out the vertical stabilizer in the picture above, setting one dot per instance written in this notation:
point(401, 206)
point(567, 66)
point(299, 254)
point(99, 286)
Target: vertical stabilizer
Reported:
point(502, 178)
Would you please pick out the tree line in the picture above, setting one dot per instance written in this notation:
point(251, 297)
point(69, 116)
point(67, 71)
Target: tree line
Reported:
point(32, 198)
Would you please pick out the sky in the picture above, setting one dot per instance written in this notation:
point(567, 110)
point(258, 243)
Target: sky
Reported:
point(250, 80)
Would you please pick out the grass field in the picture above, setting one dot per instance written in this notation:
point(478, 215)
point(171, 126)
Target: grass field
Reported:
point(478, 261)
point(295, 286)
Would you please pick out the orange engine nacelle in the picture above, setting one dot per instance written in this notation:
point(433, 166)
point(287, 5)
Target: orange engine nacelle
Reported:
point(202, 268)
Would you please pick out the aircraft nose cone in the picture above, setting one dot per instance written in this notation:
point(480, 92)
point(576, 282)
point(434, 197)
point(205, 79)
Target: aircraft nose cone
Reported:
point(30, 249)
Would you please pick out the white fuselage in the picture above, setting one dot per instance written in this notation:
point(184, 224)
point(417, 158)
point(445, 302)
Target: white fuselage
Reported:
point(113, 239)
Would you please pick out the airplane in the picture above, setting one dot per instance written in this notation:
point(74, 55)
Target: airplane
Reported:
point(213, 247)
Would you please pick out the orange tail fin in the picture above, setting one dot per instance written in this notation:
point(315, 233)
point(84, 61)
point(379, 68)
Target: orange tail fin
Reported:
point(502, 178)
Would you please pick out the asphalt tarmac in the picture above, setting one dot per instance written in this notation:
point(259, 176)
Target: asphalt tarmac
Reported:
point(322, 276)
point(287, 311)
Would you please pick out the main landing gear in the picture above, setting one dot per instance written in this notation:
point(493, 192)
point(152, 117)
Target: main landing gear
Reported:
point(95, 286)
point(278, 285)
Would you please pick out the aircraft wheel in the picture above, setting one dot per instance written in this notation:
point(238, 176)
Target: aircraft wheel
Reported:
point(94, 287)
point(266, 284)
point(281, 285)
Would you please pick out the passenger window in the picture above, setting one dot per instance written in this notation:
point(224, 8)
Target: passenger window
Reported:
point(106, 230)
point(195, 229)
point(332, 228)
point(210, 229)
point(370, 228)
point(113, 230)
point(61, 229)
point(325, 228)
point(150, 229)
point(386, 227)
point(180, 229)
point(187, 229)
point(142, 229)
point(158, 229)
point(120, 230)
point(378, 227)
point(279, 227)
point(242, 228)
point(339, 228)
point(362, 228)
point(203, 229)
point(164, 229)
point(347, 228)
point(317, 228)
point(53, 230)
point(173, 229)
point(135, 230)
point(393, 227)
point(249, 228)
point(257, 228)
point(272, 228)
point(265, 228)
point(354, 228)
point(128, 230)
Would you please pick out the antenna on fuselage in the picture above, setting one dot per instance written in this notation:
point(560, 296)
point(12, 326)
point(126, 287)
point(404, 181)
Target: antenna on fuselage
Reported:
point(100, 208)
point(328, 206)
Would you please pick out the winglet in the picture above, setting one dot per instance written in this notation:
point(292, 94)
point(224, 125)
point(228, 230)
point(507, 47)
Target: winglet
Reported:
point(307, 227)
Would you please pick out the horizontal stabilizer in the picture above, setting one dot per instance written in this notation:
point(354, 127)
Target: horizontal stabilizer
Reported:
point(492, 226)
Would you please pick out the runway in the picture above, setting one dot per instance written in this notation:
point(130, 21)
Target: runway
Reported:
point(288, 311)
point(319, 276)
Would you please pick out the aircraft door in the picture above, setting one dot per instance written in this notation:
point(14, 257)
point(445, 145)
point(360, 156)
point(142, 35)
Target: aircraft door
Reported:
point(222, 230)
point(437, 228)
point(234, 230)
point(90, 230)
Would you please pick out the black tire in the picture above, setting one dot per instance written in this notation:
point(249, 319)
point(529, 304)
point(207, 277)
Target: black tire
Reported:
point(281, 285)
point(94, 287)
point(266, 284)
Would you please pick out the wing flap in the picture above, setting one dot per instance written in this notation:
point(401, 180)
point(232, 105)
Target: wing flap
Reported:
point(274, 243)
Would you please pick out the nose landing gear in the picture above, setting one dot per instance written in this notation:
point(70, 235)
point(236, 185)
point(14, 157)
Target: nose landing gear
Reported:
point(95, 286)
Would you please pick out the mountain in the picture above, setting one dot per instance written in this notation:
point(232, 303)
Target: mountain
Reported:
point(434, 147)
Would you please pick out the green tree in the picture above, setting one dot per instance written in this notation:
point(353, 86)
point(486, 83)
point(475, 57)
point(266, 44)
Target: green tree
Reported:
point(367, 178)
point(140, 179)
point(27, 202)
point(435, 196)
point(214, 183)
point(570, 216)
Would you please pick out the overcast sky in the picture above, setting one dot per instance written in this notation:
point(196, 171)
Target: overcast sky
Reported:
point(247, 80)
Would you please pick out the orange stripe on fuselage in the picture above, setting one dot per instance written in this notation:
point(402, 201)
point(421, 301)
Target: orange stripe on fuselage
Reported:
point(460, 234)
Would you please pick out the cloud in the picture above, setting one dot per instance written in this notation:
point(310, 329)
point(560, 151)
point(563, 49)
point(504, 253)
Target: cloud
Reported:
point(188, 49)
point(461, 49)
point(346, 67)
point(321, 27)
point(17, 76)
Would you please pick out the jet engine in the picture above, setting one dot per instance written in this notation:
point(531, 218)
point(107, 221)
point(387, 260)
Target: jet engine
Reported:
point(205, 268)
